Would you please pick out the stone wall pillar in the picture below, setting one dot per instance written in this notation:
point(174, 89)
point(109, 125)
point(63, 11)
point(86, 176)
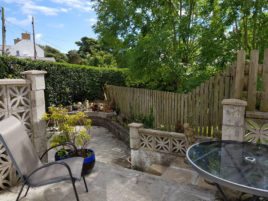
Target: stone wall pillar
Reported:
point(37, 79)
point(134, 135)
point(134, 140)
point(233, 123)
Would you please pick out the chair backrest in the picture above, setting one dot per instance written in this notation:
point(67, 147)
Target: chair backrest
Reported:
point(19, 146)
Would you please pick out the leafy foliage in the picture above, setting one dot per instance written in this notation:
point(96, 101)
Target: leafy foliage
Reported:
point(52, 52)
point(159, 40)
point(147, 120)
point(74, 57)
point(70, 127)
point(93, 53)
point(66, 83)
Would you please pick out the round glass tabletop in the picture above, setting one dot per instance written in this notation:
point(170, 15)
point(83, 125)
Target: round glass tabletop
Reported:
point(241, 165)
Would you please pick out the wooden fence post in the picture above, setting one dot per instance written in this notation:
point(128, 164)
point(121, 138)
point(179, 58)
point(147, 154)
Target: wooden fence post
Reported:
point(252, 79)
point(264, 99)
point(239, 74)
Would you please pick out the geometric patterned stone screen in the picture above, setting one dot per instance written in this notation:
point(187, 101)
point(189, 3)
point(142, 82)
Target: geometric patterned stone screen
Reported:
point(163, 142)
point(14, 101)
point(256, 132)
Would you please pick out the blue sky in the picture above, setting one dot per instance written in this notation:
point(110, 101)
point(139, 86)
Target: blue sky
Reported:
point(58, 23)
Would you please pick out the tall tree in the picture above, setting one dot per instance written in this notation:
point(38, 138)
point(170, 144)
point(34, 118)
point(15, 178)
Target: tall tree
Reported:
point(74, 57)
point(52, 52)
point(159, 39)
point(94, 53)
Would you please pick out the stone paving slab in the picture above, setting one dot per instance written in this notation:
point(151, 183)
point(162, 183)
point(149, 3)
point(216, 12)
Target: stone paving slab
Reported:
point(181, 172)
point(110, 182)
point(108, 148)
point(113, 183)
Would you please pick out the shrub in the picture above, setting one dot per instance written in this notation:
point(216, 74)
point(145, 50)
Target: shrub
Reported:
point(66, 83)
point(146, 119)
point(69, 127)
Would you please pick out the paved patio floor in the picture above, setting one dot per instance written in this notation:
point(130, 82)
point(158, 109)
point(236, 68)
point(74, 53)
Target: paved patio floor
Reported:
point(108, 148)
point(110, 181)
point(114, 183)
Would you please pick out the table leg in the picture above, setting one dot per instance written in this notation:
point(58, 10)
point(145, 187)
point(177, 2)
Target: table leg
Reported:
point(221, 192)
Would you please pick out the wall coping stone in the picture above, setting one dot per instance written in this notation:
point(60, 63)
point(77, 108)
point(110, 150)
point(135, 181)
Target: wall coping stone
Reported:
point(235, 102)
point(257, 115)
point(34, 72)
point(135, 125)
point(159, 132)
point(14, 81)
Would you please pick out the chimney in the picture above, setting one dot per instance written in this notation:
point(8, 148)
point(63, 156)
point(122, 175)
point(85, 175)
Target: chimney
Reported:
point(17, 40)
point(26, 36)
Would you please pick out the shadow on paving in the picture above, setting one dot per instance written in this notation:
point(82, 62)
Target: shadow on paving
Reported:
point(113, 183)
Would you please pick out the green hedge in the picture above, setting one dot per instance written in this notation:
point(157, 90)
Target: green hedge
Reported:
point(66, 83)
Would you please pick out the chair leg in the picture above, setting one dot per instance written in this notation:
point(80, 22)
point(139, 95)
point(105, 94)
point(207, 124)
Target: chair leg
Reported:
point(75, 191)
point(85, 183)
point(26, 191)
point(18, 197)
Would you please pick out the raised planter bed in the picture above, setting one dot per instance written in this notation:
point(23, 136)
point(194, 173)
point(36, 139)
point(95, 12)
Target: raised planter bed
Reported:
point(104, 119)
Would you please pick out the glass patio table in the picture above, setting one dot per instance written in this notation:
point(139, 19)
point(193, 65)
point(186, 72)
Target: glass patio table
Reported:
point(238, 165)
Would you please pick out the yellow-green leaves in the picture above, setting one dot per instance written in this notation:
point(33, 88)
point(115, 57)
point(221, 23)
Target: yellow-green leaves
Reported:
point(70, 127)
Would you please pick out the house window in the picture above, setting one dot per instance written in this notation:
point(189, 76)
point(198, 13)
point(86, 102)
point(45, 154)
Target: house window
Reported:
point(17, 53)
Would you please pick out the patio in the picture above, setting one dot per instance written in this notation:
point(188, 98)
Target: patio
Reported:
point(110, 182)
point(114, 183)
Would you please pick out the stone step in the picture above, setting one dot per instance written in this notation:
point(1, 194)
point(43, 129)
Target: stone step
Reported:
point(180, 171)
point(156, 169)
point(180, 162)
point(180, 175)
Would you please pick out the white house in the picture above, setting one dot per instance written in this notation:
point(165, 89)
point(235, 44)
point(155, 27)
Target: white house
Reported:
point(24, 48)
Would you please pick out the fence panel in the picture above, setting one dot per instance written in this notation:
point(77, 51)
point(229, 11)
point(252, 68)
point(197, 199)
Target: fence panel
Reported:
point(202, 106)
point(264, 98)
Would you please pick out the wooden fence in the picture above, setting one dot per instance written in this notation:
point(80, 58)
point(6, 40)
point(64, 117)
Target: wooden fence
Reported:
point(249, 76)
point(202, 106)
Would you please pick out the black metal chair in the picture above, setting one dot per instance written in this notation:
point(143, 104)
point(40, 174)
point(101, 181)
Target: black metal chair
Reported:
point(26, 161)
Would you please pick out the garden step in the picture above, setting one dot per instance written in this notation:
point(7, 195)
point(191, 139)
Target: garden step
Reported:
point(180, 162)
point(181, 172)
point(157, 169)
point(180, 175)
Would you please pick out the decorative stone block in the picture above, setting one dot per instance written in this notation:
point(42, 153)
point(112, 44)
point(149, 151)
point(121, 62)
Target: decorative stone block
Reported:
point(37, 79)
point(134, 135)
point(233, 123)
point(233, 133)
point(14, 101)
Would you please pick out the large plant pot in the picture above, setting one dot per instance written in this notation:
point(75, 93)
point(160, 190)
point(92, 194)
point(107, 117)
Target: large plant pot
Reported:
point(87, 154)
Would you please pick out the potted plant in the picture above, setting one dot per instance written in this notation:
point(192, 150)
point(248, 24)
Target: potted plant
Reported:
point(70, 129)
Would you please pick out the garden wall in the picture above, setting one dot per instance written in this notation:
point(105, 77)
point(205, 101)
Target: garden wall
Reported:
point(105, 120)
point(66, 83)
point(150, 146)
point(23, 99)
